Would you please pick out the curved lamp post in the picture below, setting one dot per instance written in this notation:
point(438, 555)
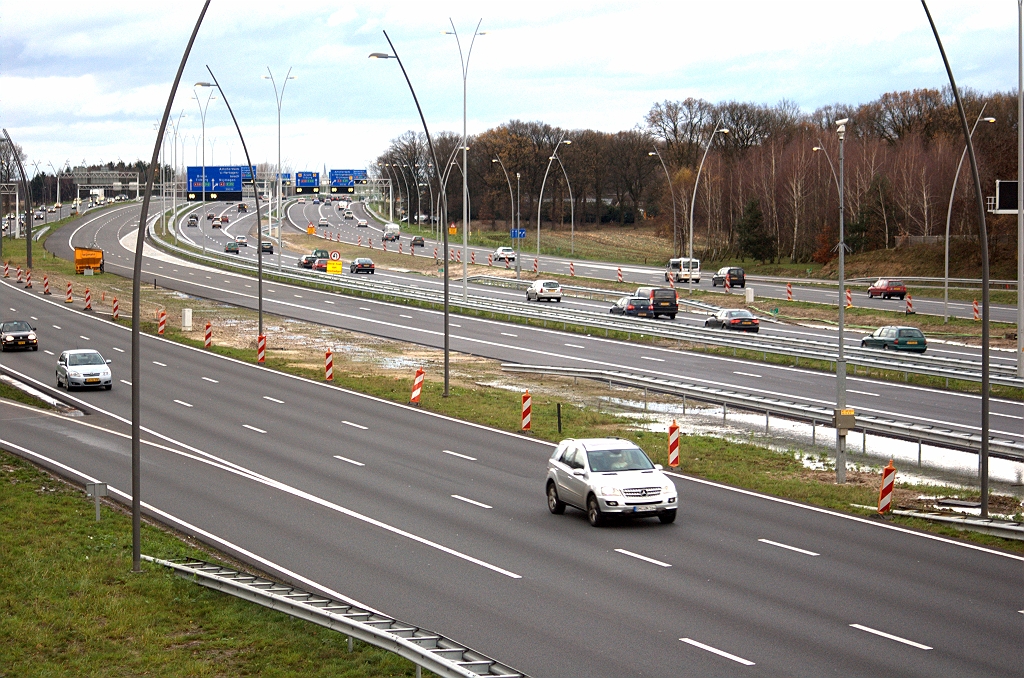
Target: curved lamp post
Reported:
point(278, 100)
point(572, 210)
point(512, 204)
point(668, 177)
point(202, 119)
point(693, 202)
point(949, 214)
point(540, 201)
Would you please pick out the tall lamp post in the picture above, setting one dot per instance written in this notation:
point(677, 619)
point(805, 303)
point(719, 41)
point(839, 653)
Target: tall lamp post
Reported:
point(174, 173)
point(693, 203)
point(1020, 201)
point(572, 210)
point(512, 204)
point(202, 191)
point(540, 201)
point(464, 63)
point(668, 177)
point(278, 99)
point(949, 214)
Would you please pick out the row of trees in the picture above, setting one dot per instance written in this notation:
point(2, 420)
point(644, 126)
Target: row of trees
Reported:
point(901, 154)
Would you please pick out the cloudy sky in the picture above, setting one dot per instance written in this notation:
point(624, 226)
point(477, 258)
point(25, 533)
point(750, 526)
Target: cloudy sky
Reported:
point(88, 81)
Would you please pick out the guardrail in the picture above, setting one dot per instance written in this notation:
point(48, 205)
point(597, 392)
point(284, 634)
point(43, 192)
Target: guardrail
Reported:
point(799, 411)
point(426, 649)
point(792, 347)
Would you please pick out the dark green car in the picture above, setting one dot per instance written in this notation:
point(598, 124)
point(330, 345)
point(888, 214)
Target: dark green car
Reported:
point(896, 338)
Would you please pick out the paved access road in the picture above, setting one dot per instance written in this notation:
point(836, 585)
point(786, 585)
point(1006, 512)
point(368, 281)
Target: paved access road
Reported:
point(444, 524)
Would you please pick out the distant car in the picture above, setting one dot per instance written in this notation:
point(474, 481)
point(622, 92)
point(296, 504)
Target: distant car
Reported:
point(887, 288)
point(319, 265)
point(504, 254)
point(231, 246)
point(323, 222)
point(417, 241)
point(896, 338)
point(341, 206)
point(316, 201)
point(734, 319)
point(362, 223)
point(736, 276)
point(18, 334)
point(211, 216)
point(608, 477)
point(302, 201)
point(82, 367)
point(224, 219)
point(320, 254)
point(267, 246)
point(242, 241)
point(636, 306)
point(664, 300)
point(242, 207)
point(51, 209)
point(308, 260)
point(361, 265)
point(544, 289)
point(349, 214)
point(193, 220)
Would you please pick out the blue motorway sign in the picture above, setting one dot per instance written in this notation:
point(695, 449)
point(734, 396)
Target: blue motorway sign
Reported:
point(517, 233)
point(219, 178)
point(307, 179)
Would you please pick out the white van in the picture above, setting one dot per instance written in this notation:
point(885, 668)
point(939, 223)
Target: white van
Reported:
point(391, 232)
point(683, 269)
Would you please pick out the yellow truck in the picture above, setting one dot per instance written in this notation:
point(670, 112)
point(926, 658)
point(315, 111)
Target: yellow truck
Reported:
point(87, 257)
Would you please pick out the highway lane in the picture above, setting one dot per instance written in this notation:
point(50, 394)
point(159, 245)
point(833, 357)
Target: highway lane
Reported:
point(581, 596)
point(516, 343)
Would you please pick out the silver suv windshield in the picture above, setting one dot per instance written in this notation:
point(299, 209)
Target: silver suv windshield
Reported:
point(628, 459)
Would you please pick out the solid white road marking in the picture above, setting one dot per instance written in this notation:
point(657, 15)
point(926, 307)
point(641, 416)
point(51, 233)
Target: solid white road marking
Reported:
point(640, 557)
point(47, 352)
point(253, 428)
point(873, 395)
point(56, 327)
point(647, 357)
point(119, 350)
point(82, 336)
point(454, 325)
point(720, 653)
point(349, 423)
point(125, 382)
point(404, 316)
point(351, 461)
point(470, 501)
point(508, 334)
point(748, 374)
point(791, 548)
point(575, 346)
point(273, 400)
point(363, 308)
point(159, 363)
point(890, 636)
point(328, 302)
point(462, 456)
point(212, 381)
point(182, 402)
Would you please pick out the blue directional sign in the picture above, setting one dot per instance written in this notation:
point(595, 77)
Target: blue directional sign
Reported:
point(517, 233)
point(307, 182)
point(223, 182)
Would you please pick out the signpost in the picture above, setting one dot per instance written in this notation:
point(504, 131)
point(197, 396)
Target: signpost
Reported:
point(223, 182)
point(335, 266)
point(344, 181)
point(307, 183)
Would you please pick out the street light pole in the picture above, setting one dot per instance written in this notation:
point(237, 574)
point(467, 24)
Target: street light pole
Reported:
point(519, 225)
point(512, 204)
point(949, 214)
point(1020, 198)
point(693, 202)
point(668, 177)
point(841, 354)
point(572, 210)
point(202, 118)
point(279, 99)
point(540, 201)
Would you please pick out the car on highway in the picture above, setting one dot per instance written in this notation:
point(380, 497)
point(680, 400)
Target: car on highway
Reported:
point(302, 201)
point(232, 247)
point(18, 334)
point(734, 319)
point(736, 276)
point(316, 201)
point(887, 288)
point(307, 261)
point(242, 241)
point(664, 300)
point(608, 477)
point(341, 207)
point(323, 222)
point(193, 220)
point(636, 306)
point(361, 265)
point(321, 254)
point(349, 214)
point(267, 246)
point(224, 219)
point(896, 338)
point(362, 223)
point(504, 254)
point(81, 368)
point(210, 216)
point(319, 265)
point(51, 209)
point(541, 290)
point(392, 233)
point(417, 241)
point(242, 207)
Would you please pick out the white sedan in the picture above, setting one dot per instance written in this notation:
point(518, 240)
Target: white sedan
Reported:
point(362, 223)
point(82, 367)
point(504, 254)
point(242, 241)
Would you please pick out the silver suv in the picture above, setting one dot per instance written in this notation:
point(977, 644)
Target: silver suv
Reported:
point(608, 476)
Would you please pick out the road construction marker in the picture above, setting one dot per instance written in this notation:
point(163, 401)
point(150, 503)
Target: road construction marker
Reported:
point(115, 310)
point(161, 323)
point(789, 291)
point(261, 349)
point(88, 301)
point(417, 387)
point(673, 444)
point(527, 405)
point(329, 366)
point(885, 493)
point(208, 340)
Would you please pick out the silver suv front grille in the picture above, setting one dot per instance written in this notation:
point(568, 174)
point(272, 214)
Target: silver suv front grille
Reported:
point(642, 492)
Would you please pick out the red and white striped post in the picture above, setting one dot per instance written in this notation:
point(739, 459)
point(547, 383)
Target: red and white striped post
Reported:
point(527, 406)
point(67, 297)
point(472, 257)
point(161, 322)
point(417, 387)
point(400, 247)
point(115, 310)
point(369, 242)
point(458, 256)
point(261, 349)
point(208, 337)
point(618, 273)
point(789, 291)
point(977, 316)
point(88, 299)
point(7, 270)
point(885, 494)
point(536, 265)
point(329, 365)
point(46, 284)
point(490, 260)
point(572, 270)
point(28, 279)
point(849, 299)
point(672, 281)
point(910, 305)
point(727, 286)
point(435, 254)
point(20, 279)
point(384, 245)
point(673, 444)
point(359, 241)
point(451, 255)
point(507, 266)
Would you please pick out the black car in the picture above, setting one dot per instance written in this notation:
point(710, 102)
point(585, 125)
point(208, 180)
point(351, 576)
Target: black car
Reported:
point(361, 265)
point(18, 334)
point(417, 241)
point(308, 261)
point(267, 246)
point(663, 300)
point(737, 278)
point(734, 319)
point(637, 306)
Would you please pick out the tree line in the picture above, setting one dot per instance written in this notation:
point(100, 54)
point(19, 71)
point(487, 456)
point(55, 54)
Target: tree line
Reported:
point(768, 188)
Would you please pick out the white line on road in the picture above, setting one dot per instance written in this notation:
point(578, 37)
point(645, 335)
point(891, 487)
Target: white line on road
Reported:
point(351, 461)
point(123, 381)
point(212, 381)
point(575, 346)
point(890, 636)
point(454, 325)
point(182, 402)
point(349, 423)
point(82, 336)
point(791, 548)
point(363, 308)
point(56, 327)
point(159, 363)
point(404, 316)
point(253, 428)
point(33, 317)
point(873, 395)
point(647, 357)
point(47, 352)
point(273, 400)
point(328, 302)
point(640, 557)
point(470, 501)
point(720, 653)
point(298, 296)
point(462, 456)
point(748, 374)
point(119, 350)
point(508, 334)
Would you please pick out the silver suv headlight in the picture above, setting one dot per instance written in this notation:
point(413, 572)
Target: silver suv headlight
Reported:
point(609, 491)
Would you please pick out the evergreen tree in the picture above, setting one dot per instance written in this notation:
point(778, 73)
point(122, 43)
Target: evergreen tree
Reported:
point(753, 236)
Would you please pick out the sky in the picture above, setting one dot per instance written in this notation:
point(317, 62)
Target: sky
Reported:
point(89, 81)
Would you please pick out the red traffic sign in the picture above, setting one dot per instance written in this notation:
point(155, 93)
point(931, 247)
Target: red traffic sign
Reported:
point(335, 255)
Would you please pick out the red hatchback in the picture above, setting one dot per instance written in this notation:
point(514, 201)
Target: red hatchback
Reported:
point(887, 289)
point(320, 265)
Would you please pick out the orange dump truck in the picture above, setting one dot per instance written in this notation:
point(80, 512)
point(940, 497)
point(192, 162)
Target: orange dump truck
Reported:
point(87, 257)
